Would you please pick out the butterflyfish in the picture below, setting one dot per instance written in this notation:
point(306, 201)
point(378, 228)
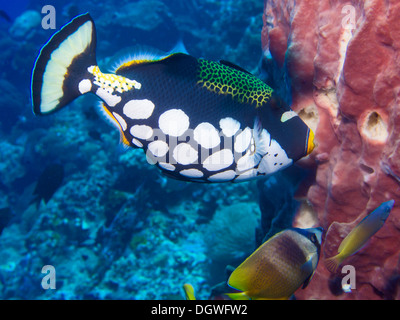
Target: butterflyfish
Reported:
point(360, 234)
point(279, 266)
point(196, 119)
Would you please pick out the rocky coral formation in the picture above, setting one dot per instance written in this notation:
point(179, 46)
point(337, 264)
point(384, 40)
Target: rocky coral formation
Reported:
point(25, 24)
point(339, 61)
point(230, 235)
point(342, 58)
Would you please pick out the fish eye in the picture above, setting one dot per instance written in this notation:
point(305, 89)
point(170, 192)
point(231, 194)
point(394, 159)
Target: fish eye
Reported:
point(313, 238)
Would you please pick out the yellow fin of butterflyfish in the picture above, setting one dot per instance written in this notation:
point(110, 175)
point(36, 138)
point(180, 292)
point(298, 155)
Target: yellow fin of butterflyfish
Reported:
point(244, 275)
point(238, 296)
point(244, 296)
point(239, 278)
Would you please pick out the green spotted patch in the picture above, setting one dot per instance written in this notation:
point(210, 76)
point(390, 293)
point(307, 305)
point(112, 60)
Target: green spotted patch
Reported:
point(225, 80)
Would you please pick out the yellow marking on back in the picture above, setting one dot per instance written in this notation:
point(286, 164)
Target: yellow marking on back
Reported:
point(113, 82)
point(144, 58)
point(134, 63)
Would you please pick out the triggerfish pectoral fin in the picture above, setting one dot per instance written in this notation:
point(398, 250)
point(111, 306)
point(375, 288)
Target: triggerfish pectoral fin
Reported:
point(61, 68)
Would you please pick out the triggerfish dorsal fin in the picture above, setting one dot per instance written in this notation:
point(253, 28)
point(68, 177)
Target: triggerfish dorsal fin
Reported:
point(142, 60)
point(234, 66)
point(142, 54)
point(135, 55)
point(62, 64)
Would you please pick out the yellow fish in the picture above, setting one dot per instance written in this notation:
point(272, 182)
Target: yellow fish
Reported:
point(279, 266)
point(360, 234)
point(189, 291)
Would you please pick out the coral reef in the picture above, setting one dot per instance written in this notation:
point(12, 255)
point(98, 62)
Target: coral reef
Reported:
point(116, 229)
point(342, 60)
point(230, 235)
point(25, 24)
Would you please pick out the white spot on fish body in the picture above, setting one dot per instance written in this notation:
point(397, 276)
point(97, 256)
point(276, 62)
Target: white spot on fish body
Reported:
point(185, 154)
point(275, 159)
point(247, 175)
point(173, 122)
point(192, 173)
point(141, 131)
point(85, 86)
point(242, 140)
point(223, 176)
point(218, 160)
point(229, 126)
point(137, 143)
point(139, 109)
point(158, 148)
point(288, 115)
point(206, 135)
point(167, 166)
point(246, 162)
point(109, 98)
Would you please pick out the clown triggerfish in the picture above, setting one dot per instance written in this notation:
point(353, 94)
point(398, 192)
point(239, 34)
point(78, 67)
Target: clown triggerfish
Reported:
point(197, 120)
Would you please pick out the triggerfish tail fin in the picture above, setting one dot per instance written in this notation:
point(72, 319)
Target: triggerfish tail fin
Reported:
point(189, 291)
point(61, 74)
point(333, 263)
